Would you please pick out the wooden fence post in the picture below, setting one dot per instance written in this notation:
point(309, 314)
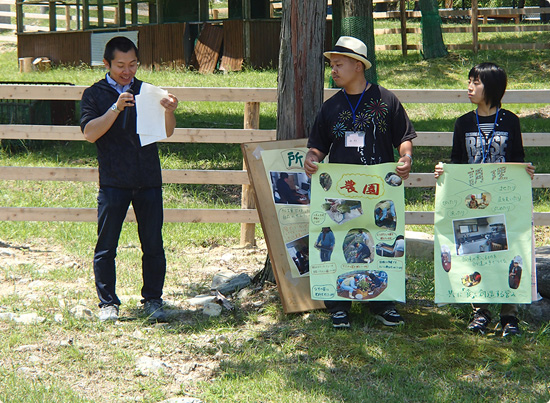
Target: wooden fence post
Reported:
point(19, 16)
point(134, 12)
point(100, 14)
point(85, 14)
point(403, 16)
point(474, 26)
point(121, 13)
point(52, 16)
point(251, 121)
point(67, 17)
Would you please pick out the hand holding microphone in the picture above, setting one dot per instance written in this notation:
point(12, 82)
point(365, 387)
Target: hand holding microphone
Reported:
point(127, 103)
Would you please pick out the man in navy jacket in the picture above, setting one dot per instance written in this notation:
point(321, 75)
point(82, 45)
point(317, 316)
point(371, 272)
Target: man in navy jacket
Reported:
point(128, 173)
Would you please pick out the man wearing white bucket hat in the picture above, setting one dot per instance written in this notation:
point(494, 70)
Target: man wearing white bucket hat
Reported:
point(361, 124)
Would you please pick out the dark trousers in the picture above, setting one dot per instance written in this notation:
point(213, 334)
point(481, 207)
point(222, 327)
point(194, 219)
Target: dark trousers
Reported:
point(113, 205)
point(376, 307)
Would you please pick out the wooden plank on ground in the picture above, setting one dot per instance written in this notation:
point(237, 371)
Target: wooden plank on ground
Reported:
point(207, 50)
point(43, 214)
point(233, 51)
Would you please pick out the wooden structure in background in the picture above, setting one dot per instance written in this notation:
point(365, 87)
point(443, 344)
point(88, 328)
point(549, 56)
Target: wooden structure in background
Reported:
point(168, 30)
point(250, 30)
point(207, 50)
point(75, 47)
point(233, 49)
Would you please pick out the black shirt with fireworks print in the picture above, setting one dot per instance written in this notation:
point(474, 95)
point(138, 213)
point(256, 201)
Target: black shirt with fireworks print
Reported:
point(502, 143)
point(380, 115)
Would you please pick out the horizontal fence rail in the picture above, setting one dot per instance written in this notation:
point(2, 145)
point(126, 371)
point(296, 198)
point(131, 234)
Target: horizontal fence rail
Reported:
point(248, 96)
point(245, 95)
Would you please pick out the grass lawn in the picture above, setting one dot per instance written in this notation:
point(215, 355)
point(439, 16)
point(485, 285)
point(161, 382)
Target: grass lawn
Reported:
point(255, 353)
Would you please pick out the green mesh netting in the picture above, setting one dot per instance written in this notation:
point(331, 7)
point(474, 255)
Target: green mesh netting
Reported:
point(360, 28)
point(432, 36)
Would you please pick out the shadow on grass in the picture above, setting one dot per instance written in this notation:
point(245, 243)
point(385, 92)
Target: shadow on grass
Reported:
point(428, 359)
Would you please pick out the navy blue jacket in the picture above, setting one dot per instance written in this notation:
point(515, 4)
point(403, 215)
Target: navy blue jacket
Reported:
point(122, 161)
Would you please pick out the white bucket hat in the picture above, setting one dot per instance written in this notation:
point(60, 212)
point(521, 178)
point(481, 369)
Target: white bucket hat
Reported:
point(350, 47)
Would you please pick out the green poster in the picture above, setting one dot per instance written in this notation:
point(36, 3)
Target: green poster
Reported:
point(290, 188)
point(357, 228)
point(483, 237)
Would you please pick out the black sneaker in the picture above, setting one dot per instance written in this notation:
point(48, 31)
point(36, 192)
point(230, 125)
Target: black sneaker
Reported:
point(154, 310)
point(390, 318)
point(510, 326)
point(340, 320)
point(480, 322)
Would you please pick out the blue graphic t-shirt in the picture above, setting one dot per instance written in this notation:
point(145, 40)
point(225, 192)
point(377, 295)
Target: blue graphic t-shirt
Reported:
point(500, 142)
point(378, 114)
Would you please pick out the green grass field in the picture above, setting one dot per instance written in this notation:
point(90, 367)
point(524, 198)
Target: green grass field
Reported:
point(255, 353)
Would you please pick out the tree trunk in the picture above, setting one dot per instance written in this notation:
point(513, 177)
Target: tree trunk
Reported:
point(301, 67)
point(432, 36)
point(301, 77)
point(354, 18)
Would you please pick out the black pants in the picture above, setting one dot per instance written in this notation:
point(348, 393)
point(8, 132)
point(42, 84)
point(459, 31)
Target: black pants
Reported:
point(113, 205)
point(376, 307)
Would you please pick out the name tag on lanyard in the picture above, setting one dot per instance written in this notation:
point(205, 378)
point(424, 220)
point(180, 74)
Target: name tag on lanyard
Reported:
point(355, 139)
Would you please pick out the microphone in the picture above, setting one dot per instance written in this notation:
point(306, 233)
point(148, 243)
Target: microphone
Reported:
point(126, 113)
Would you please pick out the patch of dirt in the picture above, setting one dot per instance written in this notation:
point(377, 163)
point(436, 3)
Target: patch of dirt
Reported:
point(38, 277)
point(21, 263)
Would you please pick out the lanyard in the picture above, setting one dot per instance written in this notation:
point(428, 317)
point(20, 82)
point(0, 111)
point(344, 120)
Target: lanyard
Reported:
point(358, 103)
point(485, 154)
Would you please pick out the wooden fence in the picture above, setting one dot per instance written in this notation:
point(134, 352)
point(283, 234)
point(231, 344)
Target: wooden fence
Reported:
point(473, 14)
point(251, 97)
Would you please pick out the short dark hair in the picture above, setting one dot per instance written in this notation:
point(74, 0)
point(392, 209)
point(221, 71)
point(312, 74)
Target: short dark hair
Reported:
point(494, 81)
point(120, 43)
point(283, 175)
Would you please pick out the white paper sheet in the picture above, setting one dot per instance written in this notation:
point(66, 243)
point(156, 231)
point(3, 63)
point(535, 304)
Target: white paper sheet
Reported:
point(150, 114)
